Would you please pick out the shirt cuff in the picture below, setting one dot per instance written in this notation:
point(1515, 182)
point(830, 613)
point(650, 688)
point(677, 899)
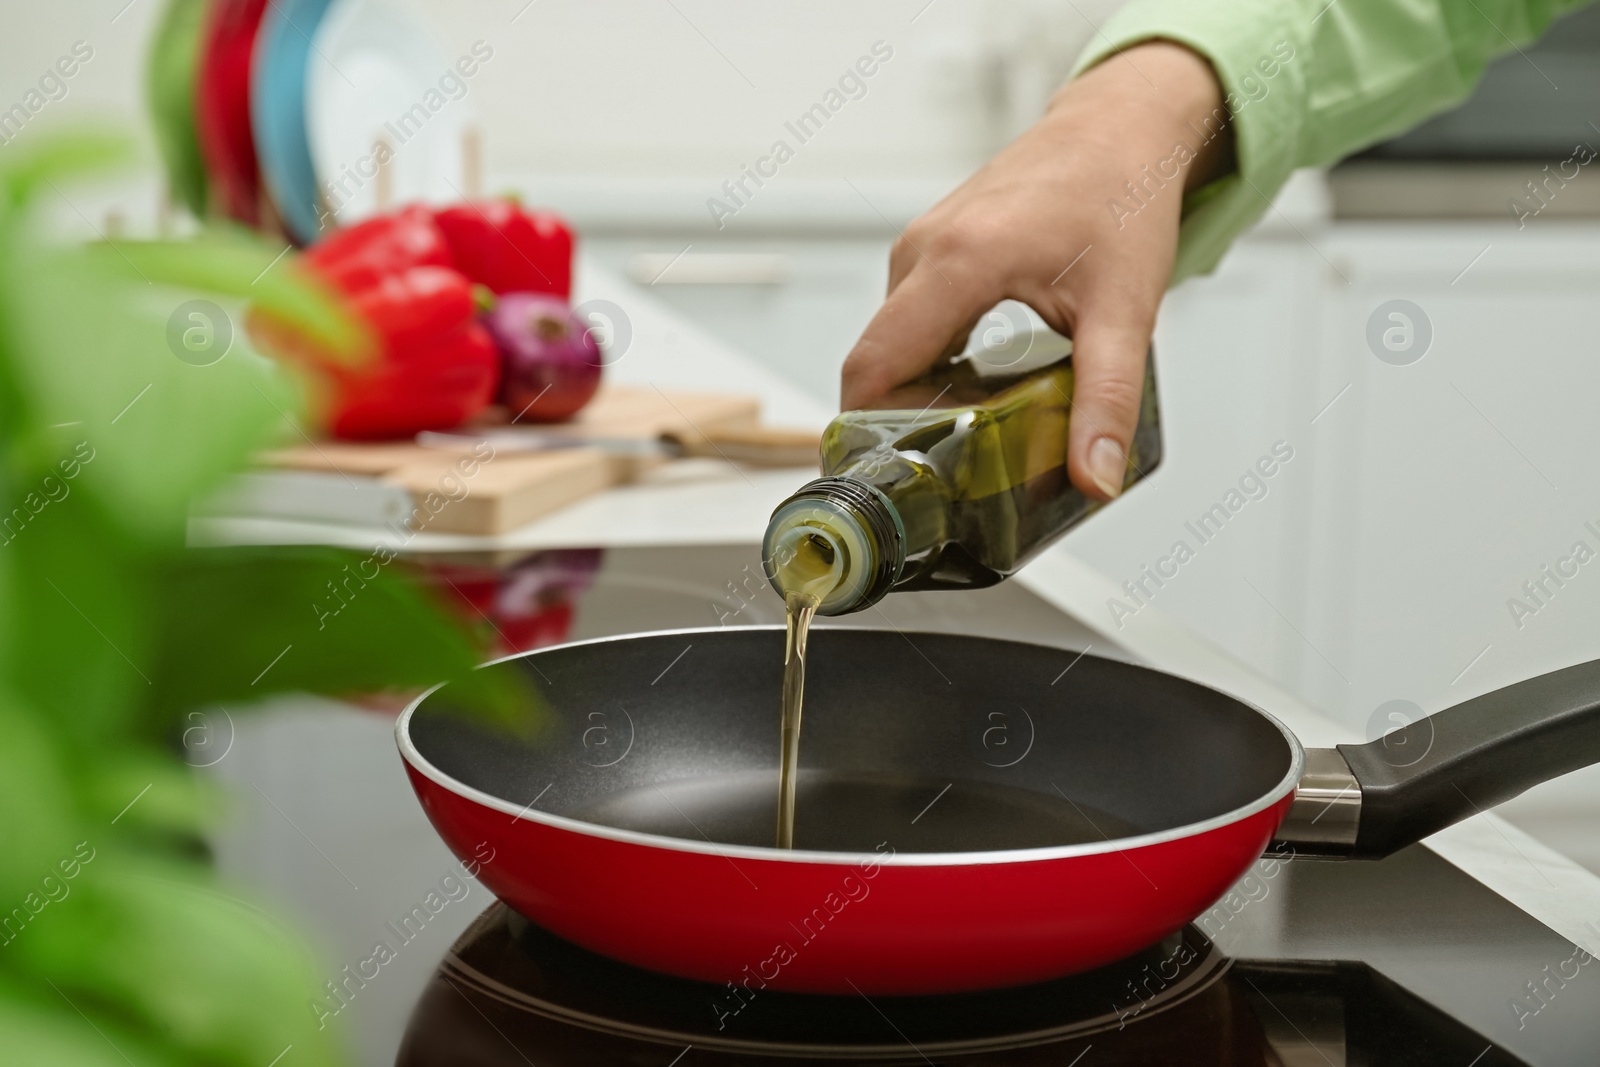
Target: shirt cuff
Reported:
point(1260, 53)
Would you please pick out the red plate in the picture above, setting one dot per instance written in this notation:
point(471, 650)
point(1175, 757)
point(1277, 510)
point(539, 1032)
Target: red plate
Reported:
point(222, 109)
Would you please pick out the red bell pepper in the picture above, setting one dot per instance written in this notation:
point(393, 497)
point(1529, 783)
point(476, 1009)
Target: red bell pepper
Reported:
point(356, 256)
point(435, 366)
point(511, 250)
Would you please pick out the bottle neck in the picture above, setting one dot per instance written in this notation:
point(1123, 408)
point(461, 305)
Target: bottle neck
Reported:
point(840, 539)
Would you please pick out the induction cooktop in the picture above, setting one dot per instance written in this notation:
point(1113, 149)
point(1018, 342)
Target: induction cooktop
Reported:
point(510, 993)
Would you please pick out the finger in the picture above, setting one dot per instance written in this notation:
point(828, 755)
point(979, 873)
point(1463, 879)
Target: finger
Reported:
point(917, 325)
point(903, 257)
point(1108, 359)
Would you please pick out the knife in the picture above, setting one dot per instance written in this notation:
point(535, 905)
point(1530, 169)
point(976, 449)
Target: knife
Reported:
point(756, 446)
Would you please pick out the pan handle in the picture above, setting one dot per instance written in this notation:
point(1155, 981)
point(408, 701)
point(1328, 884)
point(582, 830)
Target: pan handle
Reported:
point(1453, 764)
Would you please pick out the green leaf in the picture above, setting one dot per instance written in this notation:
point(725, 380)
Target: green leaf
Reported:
point(36, 795)
point(51, 1029)
point(145, 790)
point(78, 647)
point(35, 167)
point(124, 350)
point(181, 962)
point(160, 429)
point(233, 621)
point(225, 262)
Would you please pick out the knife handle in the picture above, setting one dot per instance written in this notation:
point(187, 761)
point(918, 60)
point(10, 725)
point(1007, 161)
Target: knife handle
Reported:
point(758, 446)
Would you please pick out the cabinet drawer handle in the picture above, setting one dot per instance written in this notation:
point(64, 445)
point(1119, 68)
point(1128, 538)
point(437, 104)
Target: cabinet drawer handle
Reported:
point(709, 268)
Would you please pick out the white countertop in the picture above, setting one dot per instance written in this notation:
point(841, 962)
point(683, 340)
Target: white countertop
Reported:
point(711, 502)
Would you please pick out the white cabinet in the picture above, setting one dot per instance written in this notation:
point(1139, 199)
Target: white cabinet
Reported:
point(792, 304)
point(1235, 385)
point(1421, 496)
point(1444, 484)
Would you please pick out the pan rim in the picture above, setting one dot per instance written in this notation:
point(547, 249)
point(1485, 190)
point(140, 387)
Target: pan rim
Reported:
point(415, 759)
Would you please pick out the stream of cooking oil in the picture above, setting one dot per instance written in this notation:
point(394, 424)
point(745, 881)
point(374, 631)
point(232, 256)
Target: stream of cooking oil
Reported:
point(802, 608)
point(806, 578)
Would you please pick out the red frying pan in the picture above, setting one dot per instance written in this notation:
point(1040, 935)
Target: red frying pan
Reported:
point(970, 816)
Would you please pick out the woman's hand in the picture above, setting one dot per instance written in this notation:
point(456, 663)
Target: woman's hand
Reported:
point(1041, 223)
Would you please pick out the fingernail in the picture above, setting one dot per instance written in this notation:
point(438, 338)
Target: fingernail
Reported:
point(1106, 465)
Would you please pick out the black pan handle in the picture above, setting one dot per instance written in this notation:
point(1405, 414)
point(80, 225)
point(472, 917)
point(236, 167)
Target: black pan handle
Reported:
point(1453, 764)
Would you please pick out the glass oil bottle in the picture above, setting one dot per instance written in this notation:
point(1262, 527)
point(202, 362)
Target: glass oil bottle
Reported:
point(958, 494)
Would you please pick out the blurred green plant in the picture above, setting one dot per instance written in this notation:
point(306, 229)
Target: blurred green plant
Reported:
point(116, 943)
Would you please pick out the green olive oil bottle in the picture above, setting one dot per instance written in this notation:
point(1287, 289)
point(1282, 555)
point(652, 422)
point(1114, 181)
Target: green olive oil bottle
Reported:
point(955, 487)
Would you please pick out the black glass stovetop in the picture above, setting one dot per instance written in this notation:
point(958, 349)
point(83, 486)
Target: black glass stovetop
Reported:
point(1408, 961)
point(510, 993)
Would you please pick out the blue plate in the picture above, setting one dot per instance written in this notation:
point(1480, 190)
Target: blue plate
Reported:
point(278, 73)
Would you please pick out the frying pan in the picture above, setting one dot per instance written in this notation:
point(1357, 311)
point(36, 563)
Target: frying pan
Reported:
point(973, 813)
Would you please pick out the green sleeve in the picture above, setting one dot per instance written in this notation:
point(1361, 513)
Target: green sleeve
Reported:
point(1311, 81)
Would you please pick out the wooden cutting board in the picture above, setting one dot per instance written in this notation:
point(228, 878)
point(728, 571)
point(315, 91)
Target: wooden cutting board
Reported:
point(491, 490)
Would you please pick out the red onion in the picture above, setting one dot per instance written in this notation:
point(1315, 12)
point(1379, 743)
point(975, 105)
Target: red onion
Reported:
point(550, 361)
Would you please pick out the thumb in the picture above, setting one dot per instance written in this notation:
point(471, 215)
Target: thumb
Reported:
point(1108, 359)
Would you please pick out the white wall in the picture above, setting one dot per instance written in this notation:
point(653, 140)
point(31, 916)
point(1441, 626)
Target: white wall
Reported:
point(648, 89)
point(108, 84)
point(634, 87)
